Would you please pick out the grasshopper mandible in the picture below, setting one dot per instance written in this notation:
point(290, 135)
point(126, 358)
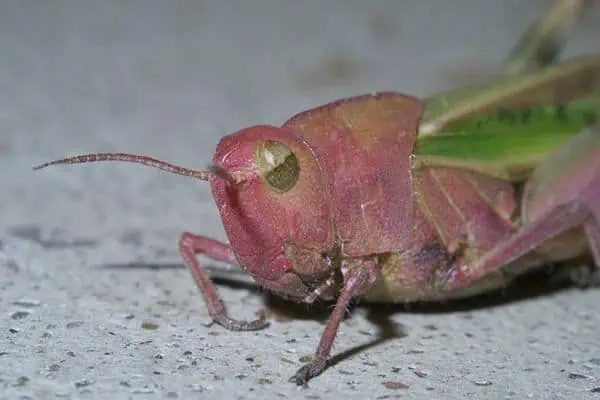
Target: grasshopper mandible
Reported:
point(394, 199)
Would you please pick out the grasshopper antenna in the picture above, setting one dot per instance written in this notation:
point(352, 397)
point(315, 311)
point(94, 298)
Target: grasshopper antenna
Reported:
point(145, 160)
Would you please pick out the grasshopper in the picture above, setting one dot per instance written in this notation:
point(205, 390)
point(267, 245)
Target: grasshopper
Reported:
point(389, 198)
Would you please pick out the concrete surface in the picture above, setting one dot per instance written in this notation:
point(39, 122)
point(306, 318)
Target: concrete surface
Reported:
point(88, 254)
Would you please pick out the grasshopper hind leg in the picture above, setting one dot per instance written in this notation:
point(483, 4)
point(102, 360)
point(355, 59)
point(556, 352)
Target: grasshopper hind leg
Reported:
point(589, 275)
point(585, 273)
point(592, 231)
point(585, 276)
point(563, 193)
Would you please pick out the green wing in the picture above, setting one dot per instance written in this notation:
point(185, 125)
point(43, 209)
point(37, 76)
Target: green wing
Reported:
point(506, 127)
point(507, 143)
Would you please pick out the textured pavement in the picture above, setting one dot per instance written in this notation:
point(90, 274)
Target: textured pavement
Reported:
point(95, 302)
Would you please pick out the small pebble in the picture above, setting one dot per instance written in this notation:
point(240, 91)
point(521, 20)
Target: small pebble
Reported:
point(27, 303)
point(74, 324)
point(22, 380)
point(578, 376)
point(196, 387)
point(420, 373)
point(83, 383)
point(150, 325)
point(20, 314)
point(417, 372)
point(395, 385)
point(145, 390)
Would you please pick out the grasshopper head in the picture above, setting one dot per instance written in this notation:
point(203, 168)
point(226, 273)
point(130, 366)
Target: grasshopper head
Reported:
point(274, 208)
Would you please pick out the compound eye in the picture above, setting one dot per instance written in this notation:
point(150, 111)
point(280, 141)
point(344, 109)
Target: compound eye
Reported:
point(278, 165)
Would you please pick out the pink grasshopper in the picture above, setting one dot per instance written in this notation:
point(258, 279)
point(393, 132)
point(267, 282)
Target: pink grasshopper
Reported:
point(349, 200)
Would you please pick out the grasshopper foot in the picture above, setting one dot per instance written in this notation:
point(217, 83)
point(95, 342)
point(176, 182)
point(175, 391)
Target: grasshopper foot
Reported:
point(236, 325)
point(309, 371)
point(585, 276)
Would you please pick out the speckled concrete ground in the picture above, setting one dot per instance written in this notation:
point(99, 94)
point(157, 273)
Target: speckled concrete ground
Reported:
point(94, 300)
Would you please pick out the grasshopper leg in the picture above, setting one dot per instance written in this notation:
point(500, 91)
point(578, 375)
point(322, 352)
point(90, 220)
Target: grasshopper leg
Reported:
point(562, 193)
point(189, 246)
point(522, 242)
point(360, 277)
point(586, 275)
point(592, 231)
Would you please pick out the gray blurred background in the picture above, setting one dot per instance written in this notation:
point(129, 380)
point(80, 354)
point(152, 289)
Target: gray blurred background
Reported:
point(84, 314)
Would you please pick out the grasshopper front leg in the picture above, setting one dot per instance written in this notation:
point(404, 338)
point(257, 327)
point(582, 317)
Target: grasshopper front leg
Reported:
point(563, 193)
point(189, 246)
point(361, 276)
